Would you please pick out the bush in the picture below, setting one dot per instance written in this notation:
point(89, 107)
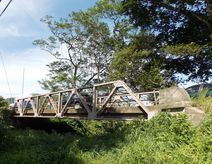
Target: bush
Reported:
point(163, 139)
point(203, 102)
point(4, 112)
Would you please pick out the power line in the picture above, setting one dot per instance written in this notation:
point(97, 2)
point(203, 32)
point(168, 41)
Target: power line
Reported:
point(5, 72)
point(5, 7)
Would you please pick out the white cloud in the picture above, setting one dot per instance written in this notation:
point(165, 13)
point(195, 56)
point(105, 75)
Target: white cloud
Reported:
point(19, 25)
point(33, 61)
point(19, 10)
point(22, 18)
point(12, 31)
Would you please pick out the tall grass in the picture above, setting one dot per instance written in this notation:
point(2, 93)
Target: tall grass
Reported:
point(203, 102)
point(163, 139)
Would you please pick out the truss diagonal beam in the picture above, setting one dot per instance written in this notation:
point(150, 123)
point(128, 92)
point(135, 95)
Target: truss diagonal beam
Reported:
point(53, 103)
point(83, 102)
point(135, 98)
point(117, 93)
point(106, 101)
point(41, 109)
point(64, 109)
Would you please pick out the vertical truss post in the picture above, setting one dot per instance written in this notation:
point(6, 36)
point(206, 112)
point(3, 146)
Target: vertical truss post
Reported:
point(20, 107)
point(37, 104)
point(94, 99)
point(93, 113)
point(59, 103)
point(34, 107)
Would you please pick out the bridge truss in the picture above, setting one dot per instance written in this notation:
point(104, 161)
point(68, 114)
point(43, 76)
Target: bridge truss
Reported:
point(111, 100)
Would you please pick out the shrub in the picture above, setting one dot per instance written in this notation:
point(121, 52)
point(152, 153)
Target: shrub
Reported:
point(163, 139)
point(4, 112)
point(202, 101)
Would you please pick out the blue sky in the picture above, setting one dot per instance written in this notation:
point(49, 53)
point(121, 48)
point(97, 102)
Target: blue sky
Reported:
point(19, 26)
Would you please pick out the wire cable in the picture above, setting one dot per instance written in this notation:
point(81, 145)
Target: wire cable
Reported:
point(5, 7)
point(5, 72)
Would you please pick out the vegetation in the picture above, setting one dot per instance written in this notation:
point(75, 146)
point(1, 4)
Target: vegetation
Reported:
point(4, 114)
point(82, 52)
point(149, 44)
point(202, 101)
point(182, 31)
point(163, 139)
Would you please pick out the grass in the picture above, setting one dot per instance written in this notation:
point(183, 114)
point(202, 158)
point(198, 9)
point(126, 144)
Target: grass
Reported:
point(163, 139)
point(203, 102)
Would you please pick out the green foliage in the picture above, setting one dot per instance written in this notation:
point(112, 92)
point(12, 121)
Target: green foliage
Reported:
point(4, 112)
point(147, 43)
point(85, 53)
point(140, 67)
point(191, 49)
point(202, 101)
point(58, 77)
point(4, 119)
point(182, 31)
point(163, 139)
point(3, 103)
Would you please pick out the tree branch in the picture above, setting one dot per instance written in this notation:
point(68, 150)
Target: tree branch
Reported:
point(86, 83)
point(185, 13)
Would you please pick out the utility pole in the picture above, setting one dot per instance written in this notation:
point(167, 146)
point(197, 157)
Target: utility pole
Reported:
point(23, 82)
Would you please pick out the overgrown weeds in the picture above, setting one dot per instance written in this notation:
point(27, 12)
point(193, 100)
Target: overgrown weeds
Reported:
point(163, 139)
point(203, 102)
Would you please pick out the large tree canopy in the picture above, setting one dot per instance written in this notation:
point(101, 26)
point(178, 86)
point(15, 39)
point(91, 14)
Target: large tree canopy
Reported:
point(182, 30)
point(90, 39)
point(140, 68)
point(147, 43)
point(174, 21)
point(87, 50)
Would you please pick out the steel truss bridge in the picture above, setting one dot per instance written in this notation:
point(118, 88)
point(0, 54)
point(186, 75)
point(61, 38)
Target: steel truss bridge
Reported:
point(111, 100)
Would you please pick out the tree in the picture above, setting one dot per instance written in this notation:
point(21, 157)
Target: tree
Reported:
point(87, 51)
point(4, 112)
point(141, 69)
point(183, 34)
point(110, 11)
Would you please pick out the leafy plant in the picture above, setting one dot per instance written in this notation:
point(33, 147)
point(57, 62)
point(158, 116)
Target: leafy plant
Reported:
point(202, 101)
